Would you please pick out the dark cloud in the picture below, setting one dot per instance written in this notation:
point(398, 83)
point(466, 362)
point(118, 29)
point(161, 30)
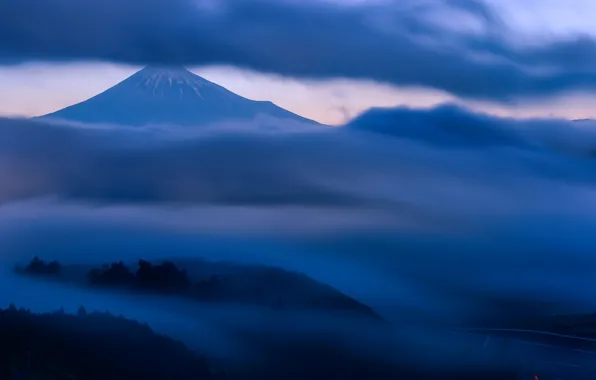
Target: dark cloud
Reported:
point(446, 125)
point(450, 125)
point(395, 42)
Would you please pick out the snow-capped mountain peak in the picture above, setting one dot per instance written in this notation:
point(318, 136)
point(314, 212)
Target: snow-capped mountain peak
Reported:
point(153, 78)
point(168, 95)
point(178, 81)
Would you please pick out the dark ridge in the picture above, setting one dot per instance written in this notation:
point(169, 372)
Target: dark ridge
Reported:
point(94, 346)
point(99, 346)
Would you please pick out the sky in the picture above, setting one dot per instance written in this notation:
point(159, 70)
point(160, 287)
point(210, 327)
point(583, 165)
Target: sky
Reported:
point(538, 35)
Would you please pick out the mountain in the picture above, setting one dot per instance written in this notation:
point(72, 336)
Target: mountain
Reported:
point(159, 95)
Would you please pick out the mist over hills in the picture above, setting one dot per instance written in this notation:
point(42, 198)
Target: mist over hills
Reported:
point(493, 199)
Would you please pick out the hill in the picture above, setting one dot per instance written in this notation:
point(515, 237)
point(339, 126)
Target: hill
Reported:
point(204, 281)
point(90, 346)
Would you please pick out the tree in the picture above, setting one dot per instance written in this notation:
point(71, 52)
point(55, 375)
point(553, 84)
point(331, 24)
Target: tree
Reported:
point(54, 267)
point(117, 274)
point(165, 277)
point(39, 267)
point(82, 312)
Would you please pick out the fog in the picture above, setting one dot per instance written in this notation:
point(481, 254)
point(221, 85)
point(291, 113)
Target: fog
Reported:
point(432, 217)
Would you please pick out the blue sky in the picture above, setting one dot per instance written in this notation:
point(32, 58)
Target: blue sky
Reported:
point(329, 90)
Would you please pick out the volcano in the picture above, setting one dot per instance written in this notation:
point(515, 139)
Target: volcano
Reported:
point(173, 96)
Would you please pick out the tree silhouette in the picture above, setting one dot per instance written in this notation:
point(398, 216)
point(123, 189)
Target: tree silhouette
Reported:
point(82, 312)
point(164, 277)
point(116, 274)
point(39, 267)
point(92, 346)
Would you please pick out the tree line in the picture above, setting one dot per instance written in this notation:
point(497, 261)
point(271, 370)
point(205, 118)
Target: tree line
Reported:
point(91, 346)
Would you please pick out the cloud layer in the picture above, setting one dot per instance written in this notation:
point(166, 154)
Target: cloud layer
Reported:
point(404, 43)
point(425, 163)
point(421, 213)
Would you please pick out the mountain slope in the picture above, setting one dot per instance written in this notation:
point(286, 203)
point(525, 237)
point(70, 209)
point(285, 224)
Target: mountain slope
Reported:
point(204, 281)
point(157, 95)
